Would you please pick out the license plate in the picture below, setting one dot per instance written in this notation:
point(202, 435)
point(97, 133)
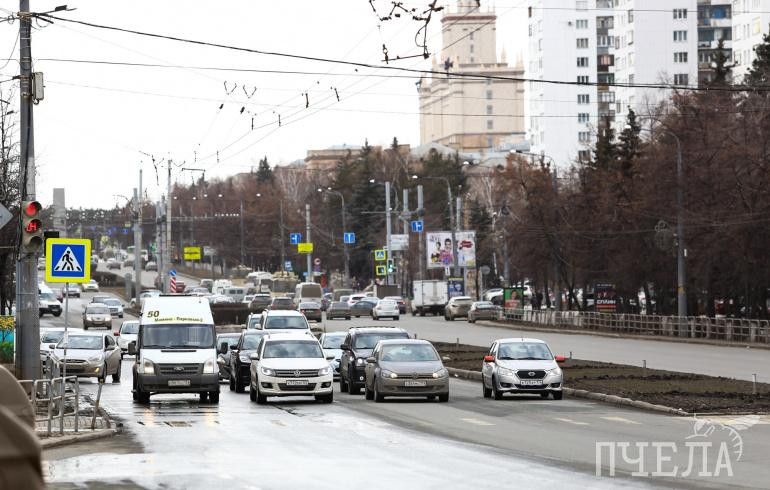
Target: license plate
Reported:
point(415, 383)
point(296, 382)
point(529, 382)
point(179, 382)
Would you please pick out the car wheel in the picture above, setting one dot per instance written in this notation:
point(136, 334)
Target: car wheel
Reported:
point(252, 393)
point(85, 327)
point(498, 394)
point(431, 397)
point(214, 396)
point(378, 397)
point(352, 388)
point(443, 398)
point(374, 318)
point(142, 396)
point(203, 396)
point(347, 318)
point(368, 394)
point(471, 321)
point(558, 395)
point(120, 316)
point(232, 384)
point(325, 398)
point(261, 399)
point(239, 387)
point(116, 376)
point(413, 312)
point(57, 315)
point(487, 391)
point(343, 384)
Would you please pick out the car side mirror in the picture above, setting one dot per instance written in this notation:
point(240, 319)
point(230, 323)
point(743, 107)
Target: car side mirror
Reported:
point(254, 357)
point(344, 347)
point(329, 358)
point(132, 348)
point(52, 346)
point(109, 348)
point(489, 358)
point(232, 347)
point(371, 360)
point(560, 359)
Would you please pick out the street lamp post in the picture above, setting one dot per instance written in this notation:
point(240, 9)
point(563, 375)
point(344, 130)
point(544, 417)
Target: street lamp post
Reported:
point(344, 228)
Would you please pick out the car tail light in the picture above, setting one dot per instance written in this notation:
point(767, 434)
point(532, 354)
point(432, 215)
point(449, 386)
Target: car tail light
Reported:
point(489, 358)
point(116, 333)
point(560, 359)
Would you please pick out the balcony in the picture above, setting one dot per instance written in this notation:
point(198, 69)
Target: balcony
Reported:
point(713, 44)
point(717, 23)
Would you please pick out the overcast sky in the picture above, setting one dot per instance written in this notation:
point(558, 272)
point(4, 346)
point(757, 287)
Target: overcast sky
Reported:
point(98, 122)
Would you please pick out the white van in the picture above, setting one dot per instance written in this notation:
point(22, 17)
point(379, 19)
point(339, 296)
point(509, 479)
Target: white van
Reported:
point(308, 291)
point(236, 292)
point(220, 285)
point(175, 349)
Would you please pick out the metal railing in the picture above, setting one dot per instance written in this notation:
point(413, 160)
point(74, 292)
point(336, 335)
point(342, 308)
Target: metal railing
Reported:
point(742, 330)
point(49, 398)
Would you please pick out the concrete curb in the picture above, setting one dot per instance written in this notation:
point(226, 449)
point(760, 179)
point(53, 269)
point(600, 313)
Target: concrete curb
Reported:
point(598, 333)
point(51, 442)
point(610, 399)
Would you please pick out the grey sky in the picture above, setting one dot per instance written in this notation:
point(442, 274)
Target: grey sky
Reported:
point(96, 121)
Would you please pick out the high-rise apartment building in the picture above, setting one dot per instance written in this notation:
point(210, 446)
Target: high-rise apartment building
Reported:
point(750, 22)
point(715, 23)
point(465, 113)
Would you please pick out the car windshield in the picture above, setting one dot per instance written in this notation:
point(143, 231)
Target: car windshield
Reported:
point(51, 337)
point(333, 341)
point(228, 341)
point(345, 298)
point(309, 306)
point(97, 310)
point(178, 335)
point(129, 328)
point(292, 349)
point(484, 304)
point(282, 301)
point(369, 340)
point(253, 322)
point(285, 322)
point(463, 302)
point(48, 296)
point(251, 342)
point(409, 353)
point(520, 351)
point(82, 342)
point(112, 302)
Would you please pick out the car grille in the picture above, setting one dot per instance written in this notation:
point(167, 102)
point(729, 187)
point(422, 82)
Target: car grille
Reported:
point(307, 387)
point(416, 376)
point(175, 368)
point(75, 369)
point(75, 361)
point(296, 373)
point(533, 374)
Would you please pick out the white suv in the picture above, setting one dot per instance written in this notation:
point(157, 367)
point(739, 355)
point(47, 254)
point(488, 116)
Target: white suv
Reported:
point(284, 321)
point(520, 365)
point(290, 365)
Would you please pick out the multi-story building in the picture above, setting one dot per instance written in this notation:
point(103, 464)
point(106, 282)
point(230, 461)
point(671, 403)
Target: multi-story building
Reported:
point(751, 19)
point(568, 42)
point(655, 43)
point(465, 113)
point(715, 23)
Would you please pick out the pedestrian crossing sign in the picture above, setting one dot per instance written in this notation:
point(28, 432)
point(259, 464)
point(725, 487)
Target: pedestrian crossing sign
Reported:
point(67, 260)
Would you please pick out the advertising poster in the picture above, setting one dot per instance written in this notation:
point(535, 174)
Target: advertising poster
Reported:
point(605, 298)
point(466, 248)
point(456, 287)
point(439, 249)
point(513, 298)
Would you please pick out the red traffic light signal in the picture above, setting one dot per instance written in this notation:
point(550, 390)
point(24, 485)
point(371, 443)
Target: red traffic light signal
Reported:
point(31, 226)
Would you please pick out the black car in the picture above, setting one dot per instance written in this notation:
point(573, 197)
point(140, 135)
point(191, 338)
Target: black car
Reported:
point(282, 303)
point(259, 302)
point(363, 307)
point(338, 309)
point(356, 348)
point(240, 360)
point(223, 358)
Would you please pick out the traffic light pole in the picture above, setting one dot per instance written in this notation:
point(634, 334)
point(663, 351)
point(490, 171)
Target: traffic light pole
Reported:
point(27, 312)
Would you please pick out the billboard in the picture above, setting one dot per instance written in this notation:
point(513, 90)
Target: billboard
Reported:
point(438, 248)
point(466, 248)
point(605, 298)
point(456, 287)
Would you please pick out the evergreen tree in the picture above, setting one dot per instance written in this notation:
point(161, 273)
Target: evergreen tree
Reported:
point(628, 146)
point(759, 74)
point(722, 68)
point(264, 172)
point(604, 152)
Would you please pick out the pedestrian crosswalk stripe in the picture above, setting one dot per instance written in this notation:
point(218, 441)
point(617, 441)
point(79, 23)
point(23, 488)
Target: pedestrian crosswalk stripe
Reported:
point(621, 420)
point(570, 421)
point(68, 262)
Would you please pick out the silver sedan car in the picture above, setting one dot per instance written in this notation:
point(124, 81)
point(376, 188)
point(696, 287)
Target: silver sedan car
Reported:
point(405, 367)
point(521, 365)
point(89, 354)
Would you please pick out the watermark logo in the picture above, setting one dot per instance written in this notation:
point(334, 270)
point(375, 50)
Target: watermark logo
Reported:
point(710, 451)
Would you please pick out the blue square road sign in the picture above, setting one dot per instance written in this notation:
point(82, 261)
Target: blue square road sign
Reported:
point(68, 260)
point(417, 226)
point(295, 238)
point(350, 237)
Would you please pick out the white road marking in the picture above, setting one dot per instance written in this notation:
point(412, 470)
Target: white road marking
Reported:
point(732, 419)
point(570, 421)
point(477, 422)
point(621, 420)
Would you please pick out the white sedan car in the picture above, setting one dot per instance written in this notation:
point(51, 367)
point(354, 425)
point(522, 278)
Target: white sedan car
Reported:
point(90, 286)
point(521, 365)
point(387, 308)
point(290, 365)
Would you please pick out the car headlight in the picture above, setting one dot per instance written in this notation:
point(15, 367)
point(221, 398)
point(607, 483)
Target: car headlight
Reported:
point(555, 371)
point(146, 367)
point(505, 372)
point(324, 371)
point(360, 361)
point(267, 371)
point(441, 373)
point(245, 358)
point(208, 366)
point(388, 374)
point(95, 358)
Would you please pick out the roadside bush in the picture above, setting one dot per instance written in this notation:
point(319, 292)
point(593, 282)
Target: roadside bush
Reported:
point(6, 352)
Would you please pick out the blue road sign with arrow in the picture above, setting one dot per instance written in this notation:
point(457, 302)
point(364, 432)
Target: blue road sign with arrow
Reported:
point(350, 237)
point(417, 226)
point(295, 238)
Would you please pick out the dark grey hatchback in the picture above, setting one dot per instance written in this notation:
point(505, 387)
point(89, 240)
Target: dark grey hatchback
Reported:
point(406, 367)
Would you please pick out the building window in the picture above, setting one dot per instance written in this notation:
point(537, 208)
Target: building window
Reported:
point(584, 79)
point(630, 16)
point(680, 13)
point(489, 110)
point(582, 43)
point(680, 36)
point(681, 79)
point(584, 117)
point(489, 94)
point(584, 136)
point(607, 97)
point(680, 57)
point(471, 48)
point(582, 61)
point(490, 142)
point(581, 24)
point(584, 155)
point(584, 99)
point(490, 124)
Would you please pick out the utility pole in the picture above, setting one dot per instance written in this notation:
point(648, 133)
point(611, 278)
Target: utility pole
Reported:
point(167, 262)
point(27, 309)
point(404, 256)
point(138, 239)
point(681, 292)
point(457, 228)
point(307, 232)
point(280, 233)
point(243, 258)
point(388, 276)
point(556, 286)
point(421, 244)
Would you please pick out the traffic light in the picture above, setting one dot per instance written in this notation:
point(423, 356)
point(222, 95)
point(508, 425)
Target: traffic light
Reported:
point(391, 266)
point(31, 227)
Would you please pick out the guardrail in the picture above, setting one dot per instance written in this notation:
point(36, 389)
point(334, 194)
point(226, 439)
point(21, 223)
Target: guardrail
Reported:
point(49, 397)
point(692, 327)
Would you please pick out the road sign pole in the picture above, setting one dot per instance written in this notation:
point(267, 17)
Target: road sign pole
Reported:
point(66, 331)
point(308, 240)
point(389, 276)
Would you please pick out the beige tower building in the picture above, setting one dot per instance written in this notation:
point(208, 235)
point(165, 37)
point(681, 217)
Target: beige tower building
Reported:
point(471, 115)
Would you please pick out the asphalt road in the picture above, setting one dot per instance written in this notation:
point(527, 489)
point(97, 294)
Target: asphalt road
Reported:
point(175, 442)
